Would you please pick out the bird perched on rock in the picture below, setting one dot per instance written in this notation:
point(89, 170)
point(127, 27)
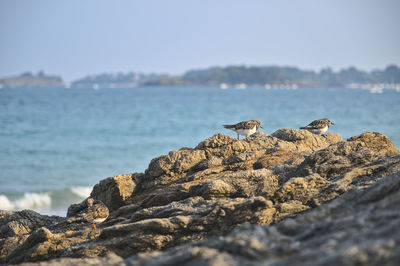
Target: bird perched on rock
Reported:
point(90, 210)
point(319, 126)
point(245, 128)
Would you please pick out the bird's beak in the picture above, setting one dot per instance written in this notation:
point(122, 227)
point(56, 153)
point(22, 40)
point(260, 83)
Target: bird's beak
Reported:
point(261, 127)
point(332, 123)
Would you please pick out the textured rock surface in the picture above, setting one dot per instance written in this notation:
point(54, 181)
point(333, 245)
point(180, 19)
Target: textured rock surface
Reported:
point(113, 191)
point(360, 228)
point(304, 197)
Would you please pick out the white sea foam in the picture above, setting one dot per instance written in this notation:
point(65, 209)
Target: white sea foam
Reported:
point(5, 203)
point(33, 201)
point(82, 192)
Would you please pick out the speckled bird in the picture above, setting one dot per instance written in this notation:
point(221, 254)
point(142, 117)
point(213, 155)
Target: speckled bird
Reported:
point(91, 210)
point(245, 128)
point(319, 126)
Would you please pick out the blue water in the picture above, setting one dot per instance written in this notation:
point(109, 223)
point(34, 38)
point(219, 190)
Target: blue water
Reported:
point(55, 144)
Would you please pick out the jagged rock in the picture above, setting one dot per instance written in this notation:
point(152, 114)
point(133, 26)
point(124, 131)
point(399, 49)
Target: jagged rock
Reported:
point(360, 228)
point(113, 191)
point(342, 156)
point(376, 142)
point(15, 228)
point(176, 162)
point(23, 222)
point(304, 140)
point(295, 188)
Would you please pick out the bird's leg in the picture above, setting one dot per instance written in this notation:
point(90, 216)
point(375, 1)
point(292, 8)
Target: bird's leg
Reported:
point(238, 136)
point(249, 140)
point(94, 226)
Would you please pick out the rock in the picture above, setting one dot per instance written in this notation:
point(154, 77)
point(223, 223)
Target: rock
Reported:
point(176, 162)
point(279, 157)
point(342, 156)
point(15, 228)
point(113, 191)
point(278, 199)
point(376, 142)
point(23, 222)
point(304, 140)
point(359, 228)
point(110, 259)
point(302, 189)
point(29, 246)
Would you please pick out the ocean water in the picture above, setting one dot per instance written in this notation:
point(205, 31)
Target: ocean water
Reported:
point(56, 144)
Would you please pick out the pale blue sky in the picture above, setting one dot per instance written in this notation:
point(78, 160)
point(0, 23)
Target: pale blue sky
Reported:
point(79, 37)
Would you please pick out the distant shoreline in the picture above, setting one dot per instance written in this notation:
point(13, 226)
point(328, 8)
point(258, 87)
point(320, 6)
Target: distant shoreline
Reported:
point(239, 77)
point(372, 88)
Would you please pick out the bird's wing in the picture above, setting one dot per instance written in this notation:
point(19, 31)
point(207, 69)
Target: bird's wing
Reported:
point(245, 125)
point(229, 126)
point(317, 124)
point(94, 212)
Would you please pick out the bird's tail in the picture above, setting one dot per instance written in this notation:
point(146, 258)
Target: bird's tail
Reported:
point(228, 126)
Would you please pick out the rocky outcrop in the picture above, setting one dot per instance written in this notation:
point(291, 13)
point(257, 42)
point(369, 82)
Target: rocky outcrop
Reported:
point(359, 228)
point(15, 228)
point(275, 199)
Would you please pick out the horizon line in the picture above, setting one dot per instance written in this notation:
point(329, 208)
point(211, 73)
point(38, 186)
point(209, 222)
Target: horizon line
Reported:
point(37, 72)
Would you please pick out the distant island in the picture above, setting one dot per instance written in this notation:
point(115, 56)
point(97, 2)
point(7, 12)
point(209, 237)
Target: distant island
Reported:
point(28, 79)
point(224, 77)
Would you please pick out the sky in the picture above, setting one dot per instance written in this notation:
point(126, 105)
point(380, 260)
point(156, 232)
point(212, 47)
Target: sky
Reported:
point(76, 38)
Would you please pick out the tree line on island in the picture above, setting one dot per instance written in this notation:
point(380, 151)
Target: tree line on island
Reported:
point(217, 76)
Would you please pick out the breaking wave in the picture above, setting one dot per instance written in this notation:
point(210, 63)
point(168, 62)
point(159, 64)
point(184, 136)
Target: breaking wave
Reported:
point(33, 201)
point(82, 192)
point(54, 202)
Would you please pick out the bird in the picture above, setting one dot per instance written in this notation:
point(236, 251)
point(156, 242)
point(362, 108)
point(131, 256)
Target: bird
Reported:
point(319, 126)
point(245, 128)
point(90, 210)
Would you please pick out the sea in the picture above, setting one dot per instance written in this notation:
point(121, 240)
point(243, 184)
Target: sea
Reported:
point(57, 143)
